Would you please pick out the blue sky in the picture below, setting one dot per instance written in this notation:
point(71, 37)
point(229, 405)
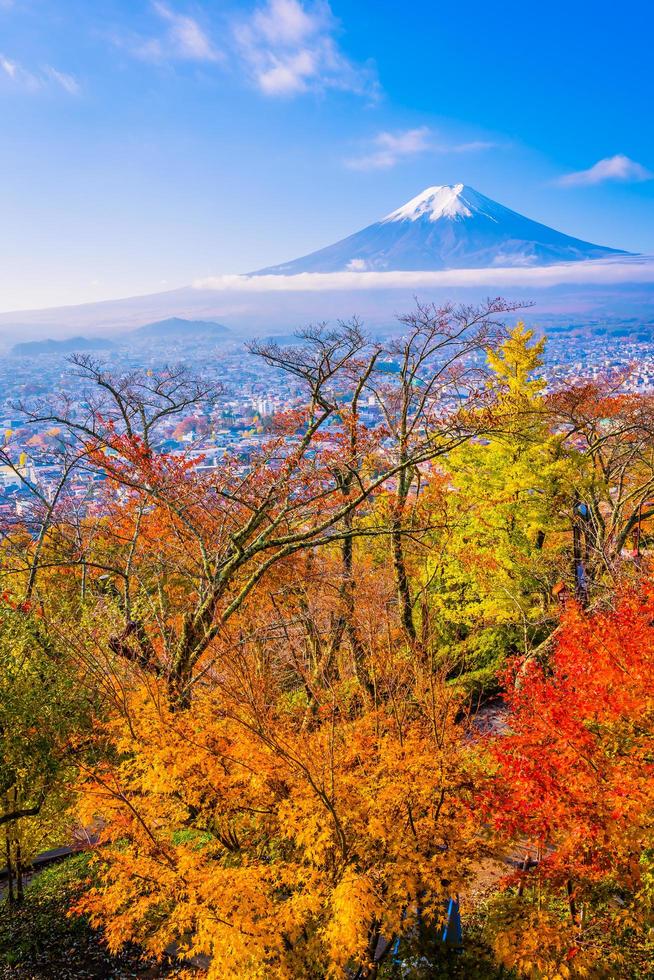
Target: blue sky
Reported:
point(149, 143)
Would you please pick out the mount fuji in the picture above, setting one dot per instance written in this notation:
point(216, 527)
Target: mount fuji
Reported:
point(448, 244)
point(447, 227)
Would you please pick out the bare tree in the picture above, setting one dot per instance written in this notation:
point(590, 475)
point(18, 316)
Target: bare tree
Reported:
point(431, 394)
point(214, 539)
point(613, 434)
point(134, 405)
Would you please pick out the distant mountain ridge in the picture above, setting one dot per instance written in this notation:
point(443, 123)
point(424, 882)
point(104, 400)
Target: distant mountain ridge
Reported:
point(449, 226)
point(174, 328)
point(70, 345)
point(169, 329)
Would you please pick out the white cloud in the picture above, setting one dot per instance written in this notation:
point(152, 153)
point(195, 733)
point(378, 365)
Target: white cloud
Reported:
point(389, 148)
point(286, 47)
point(618, 167)
point(67, 82)
point(289, 47)
point(21, 77)
point(598, 271)
point(183, 39)
point(35, 81)
point(287, 22)
point(9, 67)
point(385, 150)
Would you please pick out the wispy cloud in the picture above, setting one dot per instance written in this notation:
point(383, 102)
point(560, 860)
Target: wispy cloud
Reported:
point(185, 35)
point(284, 47)
point(290, 47)
point(386, 150)
point(67, 82)
point(473, 146)
point(19, 76)
point(183, 39)
point(9, 67)
point(597, 271)
point(616, 168)
point(38, 80)
point(389, 148)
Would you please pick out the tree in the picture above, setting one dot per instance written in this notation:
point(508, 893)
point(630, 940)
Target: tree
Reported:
point(501, 544)
point(280, 843)
point(431, 368)
point(214, 540)
point(45, 721)
point(574, 785)
point(612, 434)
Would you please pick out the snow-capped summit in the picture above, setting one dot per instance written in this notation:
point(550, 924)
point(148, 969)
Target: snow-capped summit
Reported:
point(449, 226)
point(455, 201)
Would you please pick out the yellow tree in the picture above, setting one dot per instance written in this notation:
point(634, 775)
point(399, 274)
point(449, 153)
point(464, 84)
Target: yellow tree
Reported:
point(278, 840)
point(493, 566)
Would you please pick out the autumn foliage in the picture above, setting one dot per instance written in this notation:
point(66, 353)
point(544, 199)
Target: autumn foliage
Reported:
point(282, 850)
point(302, 702)
point(575, 774)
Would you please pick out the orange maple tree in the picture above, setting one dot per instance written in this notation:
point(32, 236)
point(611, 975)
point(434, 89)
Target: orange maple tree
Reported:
point(284, 823)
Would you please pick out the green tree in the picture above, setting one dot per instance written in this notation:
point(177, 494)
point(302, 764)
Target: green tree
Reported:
point(45, 715)
point(491, 569)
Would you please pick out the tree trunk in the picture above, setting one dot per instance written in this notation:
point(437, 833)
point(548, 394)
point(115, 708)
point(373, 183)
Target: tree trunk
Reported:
point(11, 898)
point(572, 905)
point(20, 894)
point(397, 547)
point(348, 596)
point(402, 580)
